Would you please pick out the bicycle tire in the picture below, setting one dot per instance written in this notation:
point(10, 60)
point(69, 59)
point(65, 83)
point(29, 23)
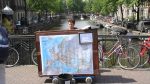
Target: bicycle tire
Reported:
point(143, 59)
point(144, 62)
point(34, 56)
point(13, 57)
point(129, 58)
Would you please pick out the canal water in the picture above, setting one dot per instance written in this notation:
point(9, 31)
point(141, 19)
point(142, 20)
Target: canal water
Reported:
point(82, 24)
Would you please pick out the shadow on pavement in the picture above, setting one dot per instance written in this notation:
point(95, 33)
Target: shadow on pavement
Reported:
point(102, 71)
point(101, 79)
point(48, 81)
point(113, 79)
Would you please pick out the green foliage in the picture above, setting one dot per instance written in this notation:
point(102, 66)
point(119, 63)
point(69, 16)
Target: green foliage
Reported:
point(75, 5)
point(96, 6)
point(45, 5)
point(9, 26)
point(104, 7)
point(109, 7)
point(87, 6)
point(69, 4)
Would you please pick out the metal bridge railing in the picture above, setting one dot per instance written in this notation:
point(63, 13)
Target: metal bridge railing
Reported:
point(24, 44)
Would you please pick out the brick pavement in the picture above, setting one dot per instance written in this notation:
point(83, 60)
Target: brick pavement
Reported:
point(28, 74)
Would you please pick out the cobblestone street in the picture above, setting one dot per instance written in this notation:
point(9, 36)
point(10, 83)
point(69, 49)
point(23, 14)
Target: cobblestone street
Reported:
point(28, 74)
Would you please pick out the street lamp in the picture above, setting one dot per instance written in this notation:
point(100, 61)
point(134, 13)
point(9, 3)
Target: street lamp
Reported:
point(7, 19)
point(7, 11)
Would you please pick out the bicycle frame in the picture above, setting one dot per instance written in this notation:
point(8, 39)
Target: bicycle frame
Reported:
point(143, 50)
point(114, 49)
point(117, 47)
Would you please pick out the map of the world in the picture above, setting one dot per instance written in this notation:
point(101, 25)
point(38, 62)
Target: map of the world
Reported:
point(64, 54)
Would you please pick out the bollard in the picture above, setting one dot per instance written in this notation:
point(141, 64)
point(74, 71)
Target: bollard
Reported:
point(88, 80)
point(55, 81)
point(73, 81)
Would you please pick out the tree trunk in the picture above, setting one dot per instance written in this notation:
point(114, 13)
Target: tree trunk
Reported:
point(121, 14)
point(26, 22)
point(138, 15)
point(148, 12)
point(133, 13)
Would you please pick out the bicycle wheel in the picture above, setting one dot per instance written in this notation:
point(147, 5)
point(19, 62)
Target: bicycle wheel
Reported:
point(143, 59)
point(144, 62)
point(34, 56)
point(129, 58)
point(13, 57)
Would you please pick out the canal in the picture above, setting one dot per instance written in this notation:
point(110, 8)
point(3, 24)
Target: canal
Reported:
point(81, 24)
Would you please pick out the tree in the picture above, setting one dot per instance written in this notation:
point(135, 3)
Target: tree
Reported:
point(96, 6)
point(109, 6)
point(45, 5)
point(87, 6)
point(70, 5)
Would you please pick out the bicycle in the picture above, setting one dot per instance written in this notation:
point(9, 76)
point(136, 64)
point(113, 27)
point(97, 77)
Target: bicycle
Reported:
point(126, 55)
point(14, 56)
point(145, 52)
point(34, 56)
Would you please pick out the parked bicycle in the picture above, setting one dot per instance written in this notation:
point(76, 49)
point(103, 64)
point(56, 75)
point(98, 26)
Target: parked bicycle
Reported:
point(125, 55)
point(145, 52)
point(34, 56)
point(14, 55)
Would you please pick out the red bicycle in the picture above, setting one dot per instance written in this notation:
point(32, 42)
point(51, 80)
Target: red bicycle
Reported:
point(145, 52)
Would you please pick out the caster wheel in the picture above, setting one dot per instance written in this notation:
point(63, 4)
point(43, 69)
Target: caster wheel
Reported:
point(55, 81)
point(88, 80)
point(73, 81)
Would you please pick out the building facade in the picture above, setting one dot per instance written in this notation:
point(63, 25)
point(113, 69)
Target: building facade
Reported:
point(128, 13)
point(18, 6)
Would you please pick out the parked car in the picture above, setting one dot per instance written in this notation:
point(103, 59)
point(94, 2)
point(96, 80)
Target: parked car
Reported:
point(143, 26)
